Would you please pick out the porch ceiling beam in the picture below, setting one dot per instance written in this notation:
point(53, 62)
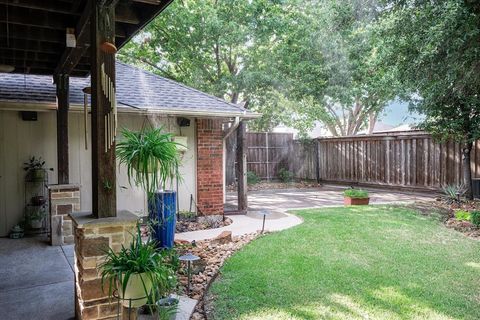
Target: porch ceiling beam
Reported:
point(45, 21)
point(29, 33)
point(71, 56)
point(151, 2)
point(33, 46)
point(55, 7)
point(46, 72)
point(44, 5)
point(42, 64)
point(22, 55)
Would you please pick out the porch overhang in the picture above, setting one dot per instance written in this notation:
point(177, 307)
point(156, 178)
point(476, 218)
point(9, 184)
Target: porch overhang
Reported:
point(33, 33)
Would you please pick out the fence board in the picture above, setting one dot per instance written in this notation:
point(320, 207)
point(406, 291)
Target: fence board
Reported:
point(405, 159)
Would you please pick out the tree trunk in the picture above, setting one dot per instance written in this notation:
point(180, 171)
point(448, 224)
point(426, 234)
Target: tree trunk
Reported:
point(372, 120)
point(467, 169)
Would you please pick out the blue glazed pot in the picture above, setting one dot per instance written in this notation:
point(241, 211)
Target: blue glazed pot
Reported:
point(163, 216)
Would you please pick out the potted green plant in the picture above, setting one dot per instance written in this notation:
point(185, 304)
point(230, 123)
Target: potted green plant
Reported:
point(134, 271)
point(35, 169)
point(152, 160)
point(356, 197)
point(34, 217)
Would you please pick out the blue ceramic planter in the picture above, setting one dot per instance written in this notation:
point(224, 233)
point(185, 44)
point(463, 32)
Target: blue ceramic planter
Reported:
point(163, 215)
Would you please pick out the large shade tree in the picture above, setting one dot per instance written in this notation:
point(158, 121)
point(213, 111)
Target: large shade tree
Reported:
point(330, 60)
point(434, 46)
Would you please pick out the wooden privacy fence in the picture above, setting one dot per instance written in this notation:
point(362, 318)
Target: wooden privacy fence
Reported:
point(408, 159)
point(267, 153)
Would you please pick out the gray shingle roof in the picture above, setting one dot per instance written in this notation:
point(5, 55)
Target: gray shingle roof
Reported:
point(135, 87)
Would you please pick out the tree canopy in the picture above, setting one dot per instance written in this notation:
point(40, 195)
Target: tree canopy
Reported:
point(434, 48)
point(297, 62)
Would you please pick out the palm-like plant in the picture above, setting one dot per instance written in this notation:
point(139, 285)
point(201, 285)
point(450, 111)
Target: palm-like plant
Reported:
point(151, 158)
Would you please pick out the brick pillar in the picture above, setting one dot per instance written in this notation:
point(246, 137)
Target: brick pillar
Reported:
point(63, 200)
point(209, 166)
point(92, 238)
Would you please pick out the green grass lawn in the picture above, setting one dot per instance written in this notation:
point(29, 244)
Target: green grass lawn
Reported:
point(354, 263)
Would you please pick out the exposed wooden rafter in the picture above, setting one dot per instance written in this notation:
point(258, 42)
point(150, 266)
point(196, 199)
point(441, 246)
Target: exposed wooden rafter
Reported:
point(33, 32)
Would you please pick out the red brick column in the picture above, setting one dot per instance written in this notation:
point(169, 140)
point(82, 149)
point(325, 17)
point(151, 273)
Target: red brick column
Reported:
point(209, 166)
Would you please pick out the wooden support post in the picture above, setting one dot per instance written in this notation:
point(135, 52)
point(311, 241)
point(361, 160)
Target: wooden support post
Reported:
point(62, 83)
point(242, 167)
point(102, 29)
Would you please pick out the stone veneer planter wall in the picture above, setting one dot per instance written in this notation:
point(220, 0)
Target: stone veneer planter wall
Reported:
point(63, 200)
point(92, 238)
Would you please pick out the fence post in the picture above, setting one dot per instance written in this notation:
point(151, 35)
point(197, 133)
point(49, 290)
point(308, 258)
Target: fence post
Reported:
point(317, 160)
point(267, 151)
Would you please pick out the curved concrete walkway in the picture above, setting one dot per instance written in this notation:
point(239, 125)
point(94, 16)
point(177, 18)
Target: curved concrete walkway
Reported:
point(241, 225)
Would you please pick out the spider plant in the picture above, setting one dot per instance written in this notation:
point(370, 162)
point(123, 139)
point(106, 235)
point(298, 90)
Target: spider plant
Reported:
point(151, 158)
point(135, 271)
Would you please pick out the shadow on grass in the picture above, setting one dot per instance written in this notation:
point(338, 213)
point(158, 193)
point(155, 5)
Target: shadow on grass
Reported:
point(353, 263)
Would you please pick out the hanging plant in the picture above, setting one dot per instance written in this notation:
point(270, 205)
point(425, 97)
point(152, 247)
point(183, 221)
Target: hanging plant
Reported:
point(151, 158)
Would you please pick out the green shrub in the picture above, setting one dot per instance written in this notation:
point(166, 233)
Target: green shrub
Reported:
point(475, 218)
point(252, 178)
point(453, 192)
point(462, 215)
point(356, 193)
point(285, 175)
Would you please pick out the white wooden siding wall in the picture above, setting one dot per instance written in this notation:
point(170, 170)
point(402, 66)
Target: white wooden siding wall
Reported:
point(21, 139)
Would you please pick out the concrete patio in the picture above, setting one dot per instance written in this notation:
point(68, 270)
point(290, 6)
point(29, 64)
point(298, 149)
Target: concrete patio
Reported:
point(36, 280)
point(328, 195)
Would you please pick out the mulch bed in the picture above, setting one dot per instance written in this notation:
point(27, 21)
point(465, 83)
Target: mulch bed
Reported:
point(201, 224)
point(213, 254)
point(446, 210)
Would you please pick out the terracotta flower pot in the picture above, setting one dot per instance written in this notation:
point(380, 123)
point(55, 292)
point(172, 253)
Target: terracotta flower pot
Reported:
point(356, 201)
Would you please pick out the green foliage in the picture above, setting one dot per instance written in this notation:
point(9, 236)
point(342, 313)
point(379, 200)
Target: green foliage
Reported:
point(34, 164)
point(37, 213)
point(138, 258)
point(433, 47)
point(331, 61)
point(285, 175)
point(355, 193)
point(462, 215)
point(219, 47)
point(167, 308)
point(187, 215)
point(252, 178)
point(323, 67)
point(475, 218)
point(452, 192)
point(151, 158)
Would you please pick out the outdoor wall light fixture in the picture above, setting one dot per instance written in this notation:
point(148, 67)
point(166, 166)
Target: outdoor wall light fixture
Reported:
point(189, 258)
